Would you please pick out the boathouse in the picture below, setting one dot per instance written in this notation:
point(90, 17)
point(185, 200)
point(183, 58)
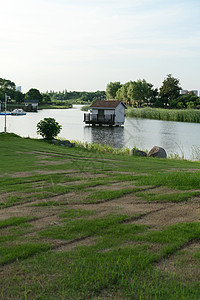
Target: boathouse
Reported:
point(106, 112)
point(31, 105)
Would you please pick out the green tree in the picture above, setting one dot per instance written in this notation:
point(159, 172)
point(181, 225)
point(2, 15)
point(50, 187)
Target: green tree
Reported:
point(152, 94)
point(34, 94)
point(170, 89)
point(48, 128)
point(76, 96)
point(130, 92)
point(185, 101)
point(46, 98)
point(119, 93)
point(19, 97)
point(122, 93)
point(112, 88)
point(99, 95)
point(8, 87)
point(86, 97)
point(141, 92)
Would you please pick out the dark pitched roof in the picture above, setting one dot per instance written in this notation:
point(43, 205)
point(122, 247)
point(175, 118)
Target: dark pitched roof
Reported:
point(106, 104)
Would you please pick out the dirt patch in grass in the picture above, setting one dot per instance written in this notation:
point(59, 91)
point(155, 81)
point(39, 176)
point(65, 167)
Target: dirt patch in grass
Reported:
point(195, 200)
point(27, 211)
point(48, 172)
point(125, 205)
point(154, 247)
point(69, 198)
point(19, 174)
point(162, 190)
point(44, 172)
point(171, 214)
point(88, 175)
point(15, 211)
point(6, 195)
point(47, 154)
point(45, 218)
point(183, 264)
point(153, 214)
point(115, 186)
point(68, 246)
point(51, 162)
point(193, 247)
point(121, 172)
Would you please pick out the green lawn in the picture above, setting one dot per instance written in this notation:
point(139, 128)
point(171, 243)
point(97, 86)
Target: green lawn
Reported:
point(82, 224)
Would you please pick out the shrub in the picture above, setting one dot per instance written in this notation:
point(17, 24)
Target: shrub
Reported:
point(48, 128)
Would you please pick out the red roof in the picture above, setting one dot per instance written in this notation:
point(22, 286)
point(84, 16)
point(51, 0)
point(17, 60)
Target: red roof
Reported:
point(107, 104)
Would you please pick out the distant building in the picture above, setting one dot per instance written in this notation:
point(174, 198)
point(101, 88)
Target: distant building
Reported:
point(195, 92)
point(31, 105)
point(19, 88)
point(186, 92)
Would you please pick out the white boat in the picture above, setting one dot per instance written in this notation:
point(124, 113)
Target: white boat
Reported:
point(3, 113)
point(18, 112)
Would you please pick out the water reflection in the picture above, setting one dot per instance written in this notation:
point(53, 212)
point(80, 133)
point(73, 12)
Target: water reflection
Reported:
point(168, 135)
point(113, 136)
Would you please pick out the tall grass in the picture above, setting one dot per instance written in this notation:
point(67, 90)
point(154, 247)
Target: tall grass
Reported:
point(126, 151)
point(178, 115)
point(102, 148)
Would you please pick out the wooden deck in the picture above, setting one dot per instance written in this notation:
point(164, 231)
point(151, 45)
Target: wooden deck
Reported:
point(99, 120)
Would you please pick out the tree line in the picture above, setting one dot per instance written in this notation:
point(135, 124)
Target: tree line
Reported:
point(140, 93)
point(9, 87)
point(75, 95)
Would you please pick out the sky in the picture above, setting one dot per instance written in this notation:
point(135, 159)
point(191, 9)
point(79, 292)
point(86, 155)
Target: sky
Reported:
point(83, 45)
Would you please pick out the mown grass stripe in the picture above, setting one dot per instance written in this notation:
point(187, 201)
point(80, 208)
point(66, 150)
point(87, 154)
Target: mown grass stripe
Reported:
point(21, 251)
point(15, 221)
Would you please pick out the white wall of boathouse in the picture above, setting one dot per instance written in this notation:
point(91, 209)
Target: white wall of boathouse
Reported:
point(119, 113)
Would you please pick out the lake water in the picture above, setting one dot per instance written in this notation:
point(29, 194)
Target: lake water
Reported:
point(174, 137)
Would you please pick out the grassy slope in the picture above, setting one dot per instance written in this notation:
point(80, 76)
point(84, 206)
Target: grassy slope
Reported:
point(53, 198)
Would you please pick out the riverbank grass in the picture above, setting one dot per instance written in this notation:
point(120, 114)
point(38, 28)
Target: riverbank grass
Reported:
point(177, 115)
point(78, 223)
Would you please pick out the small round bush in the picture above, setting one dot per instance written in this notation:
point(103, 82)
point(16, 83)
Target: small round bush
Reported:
point(48, 128)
